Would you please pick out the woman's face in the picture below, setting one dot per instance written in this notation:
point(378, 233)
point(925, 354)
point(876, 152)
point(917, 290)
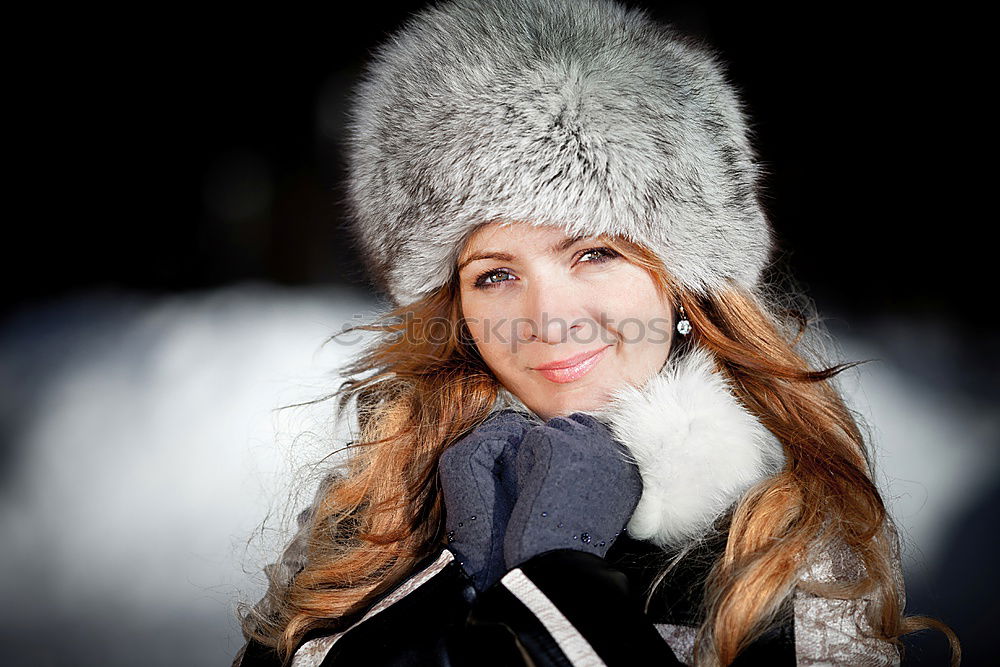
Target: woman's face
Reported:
point(561, 321)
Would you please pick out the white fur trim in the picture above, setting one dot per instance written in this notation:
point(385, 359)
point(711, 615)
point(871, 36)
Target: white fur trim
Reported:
point(698, 449)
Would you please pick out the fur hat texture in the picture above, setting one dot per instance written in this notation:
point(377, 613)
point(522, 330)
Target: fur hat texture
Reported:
point(583, 114)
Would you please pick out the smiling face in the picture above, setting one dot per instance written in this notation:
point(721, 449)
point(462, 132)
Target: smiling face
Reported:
point(561, 321)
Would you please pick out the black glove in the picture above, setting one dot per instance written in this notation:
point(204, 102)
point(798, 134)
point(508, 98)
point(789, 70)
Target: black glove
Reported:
point(576, 489)
point(477, 482)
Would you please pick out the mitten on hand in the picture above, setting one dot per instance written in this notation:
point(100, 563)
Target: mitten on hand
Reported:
point(576, 489)
point(478, 487)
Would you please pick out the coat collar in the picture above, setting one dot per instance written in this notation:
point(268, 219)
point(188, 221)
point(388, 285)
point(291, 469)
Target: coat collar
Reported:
point(697, 447)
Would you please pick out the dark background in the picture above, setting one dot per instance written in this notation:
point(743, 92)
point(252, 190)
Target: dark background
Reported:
point(177, 151)
point(182, 149)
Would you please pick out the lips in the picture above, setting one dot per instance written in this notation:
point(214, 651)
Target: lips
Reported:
point(572, 368)
point(568, 362)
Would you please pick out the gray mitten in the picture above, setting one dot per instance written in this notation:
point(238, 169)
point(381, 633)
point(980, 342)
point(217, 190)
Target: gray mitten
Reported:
point(478, 488)
point(577, 488)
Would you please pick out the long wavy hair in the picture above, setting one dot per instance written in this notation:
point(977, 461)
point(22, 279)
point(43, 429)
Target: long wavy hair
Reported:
point(421, 384)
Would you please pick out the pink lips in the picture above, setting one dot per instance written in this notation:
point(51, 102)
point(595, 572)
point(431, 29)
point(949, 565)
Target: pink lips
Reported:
point(572, 368)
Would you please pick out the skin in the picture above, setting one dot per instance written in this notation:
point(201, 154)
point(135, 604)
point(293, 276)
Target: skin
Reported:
point(543, 303)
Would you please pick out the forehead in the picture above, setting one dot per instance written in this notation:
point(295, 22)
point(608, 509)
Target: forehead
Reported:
point(516, 236)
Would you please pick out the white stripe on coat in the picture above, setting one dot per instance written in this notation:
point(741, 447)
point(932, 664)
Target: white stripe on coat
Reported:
point(313, 652)
point(577, 649)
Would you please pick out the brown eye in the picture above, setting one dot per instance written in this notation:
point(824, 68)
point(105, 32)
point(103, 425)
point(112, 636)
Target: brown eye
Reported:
point(599, 255)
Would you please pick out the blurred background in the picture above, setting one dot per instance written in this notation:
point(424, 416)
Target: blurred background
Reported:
point(180, 258)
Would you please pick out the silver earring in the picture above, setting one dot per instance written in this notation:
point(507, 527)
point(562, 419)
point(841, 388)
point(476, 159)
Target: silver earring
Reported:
point(683, 326)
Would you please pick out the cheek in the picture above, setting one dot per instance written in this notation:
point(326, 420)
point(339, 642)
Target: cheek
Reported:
point(489, 333)
point(497, 354)
point(633, 303)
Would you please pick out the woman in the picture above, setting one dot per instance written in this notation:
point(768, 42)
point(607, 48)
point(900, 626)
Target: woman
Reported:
point(590, 432)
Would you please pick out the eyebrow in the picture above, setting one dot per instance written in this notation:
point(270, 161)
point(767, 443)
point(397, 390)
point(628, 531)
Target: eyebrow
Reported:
point(507, 257)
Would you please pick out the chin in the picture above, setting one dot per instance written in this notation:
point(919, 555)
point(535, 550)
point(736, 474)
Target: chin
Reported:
point(565, 406)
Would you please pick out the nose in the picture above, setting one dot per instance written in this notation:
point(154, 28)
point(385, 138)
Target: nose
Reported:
point(554, 311)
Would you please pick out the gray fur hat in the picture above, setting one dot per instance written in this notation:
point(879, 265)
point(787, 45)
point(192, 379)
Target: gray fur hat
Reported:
point(578, 113)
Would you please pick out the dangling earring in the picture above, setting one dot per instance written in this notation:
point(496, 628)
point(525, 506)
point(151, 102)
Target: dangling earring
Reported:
point(683, 326)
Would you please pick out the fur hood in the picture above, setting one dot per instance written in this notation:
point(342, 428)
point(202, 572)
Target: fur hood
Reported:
point(697, 447)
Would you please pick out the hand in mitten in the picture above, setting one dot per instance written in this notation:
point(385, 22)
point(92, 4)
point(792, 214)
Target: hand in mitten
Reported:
point(576, 489)
point(478, 488)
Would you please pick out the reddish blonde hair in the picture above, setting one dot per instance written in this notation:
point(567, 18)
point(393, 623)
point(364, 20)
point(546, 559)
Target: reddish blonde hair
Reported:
point(429, 387)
